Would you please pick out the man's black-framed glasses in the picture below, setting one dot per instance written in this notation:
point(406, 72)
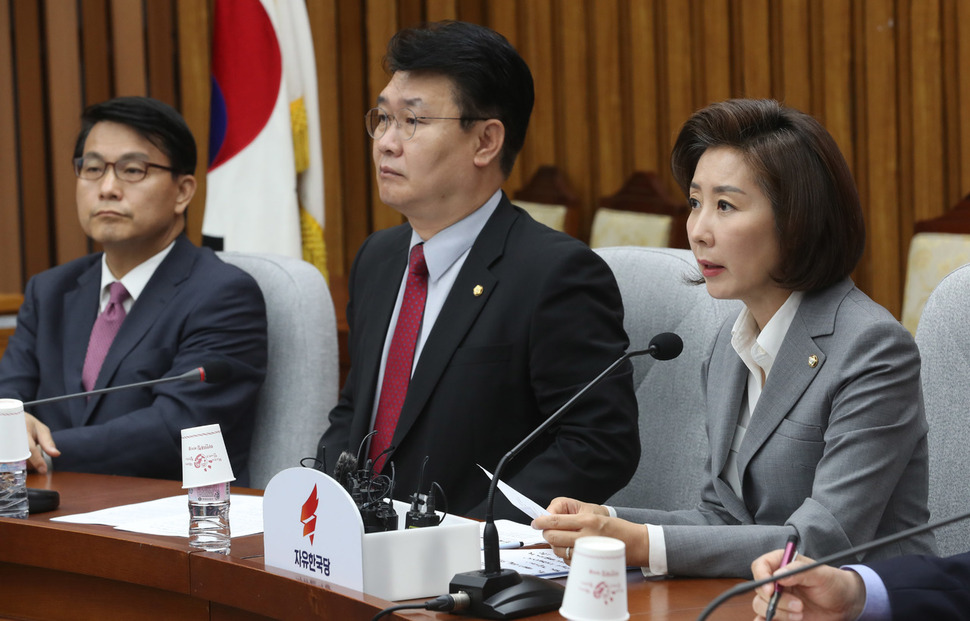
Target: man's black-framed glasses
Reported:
point(130, 169)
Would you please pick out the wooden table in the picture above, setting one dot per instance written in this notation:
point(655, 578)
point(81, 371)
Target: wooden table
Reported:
point(56, 570)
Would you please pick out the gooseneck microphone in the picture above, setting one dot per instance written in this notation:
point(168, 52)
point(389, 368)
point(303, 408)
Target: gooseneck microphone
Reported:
point(751, 585)
point(213, 372)
point(498, 593)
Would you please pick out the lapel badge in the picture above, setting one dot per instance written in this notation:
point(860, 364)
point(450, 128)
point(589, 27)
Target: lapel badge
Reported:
point(813, 361)
point(478, 290)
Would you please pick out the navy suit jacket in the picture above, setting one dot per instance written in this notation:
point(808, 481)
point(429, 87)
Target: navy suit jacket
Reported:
point(927, 587)
point(195, 309)
point(495, 366)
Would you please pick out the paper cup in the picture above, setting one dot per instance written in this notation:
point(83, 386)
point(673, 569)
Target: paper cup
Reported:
point(596, 586)
point(13, 431)
point(205, 460)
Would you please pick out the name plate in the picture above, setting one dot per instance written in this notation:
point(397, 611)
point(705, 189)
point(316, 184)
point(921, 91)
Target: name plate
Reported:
point(312, 527)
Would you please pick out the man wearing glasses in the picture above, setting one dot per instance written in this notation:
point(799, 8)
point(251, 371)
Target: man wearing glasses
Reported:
point(151, 305)
point(471, 323)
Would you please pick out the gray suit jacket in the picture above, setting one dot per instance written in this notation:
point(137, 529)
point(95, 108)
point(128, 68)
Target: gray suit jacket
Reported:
point(835, 451)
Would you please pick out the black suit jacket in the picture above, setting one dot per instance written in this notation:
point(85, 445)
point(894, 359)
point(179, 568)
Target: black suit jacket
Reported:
point(495, 366)
point(195, 309)
point(927, 587)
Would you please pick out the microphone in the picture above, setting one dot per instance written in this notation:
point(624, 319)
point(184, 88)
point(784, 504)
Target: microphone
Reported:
point(498, 593)
point(213, 372)
point(751, 585)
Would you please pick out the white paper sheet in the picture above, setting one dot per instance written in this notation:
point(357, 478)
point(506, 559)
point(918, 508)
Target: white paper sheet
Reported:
point(514, 535)
point(534, 562)
point(170, 516)
point(522, 502)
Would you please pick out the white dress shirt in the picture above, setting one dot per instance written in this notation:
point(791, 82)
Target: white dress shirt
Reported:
point(134, 281)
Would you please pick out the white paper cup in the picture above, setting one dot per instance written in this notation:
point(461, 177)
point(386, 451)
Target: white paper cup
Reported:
point(13, 431)
point(205, 460)
point(596, 586)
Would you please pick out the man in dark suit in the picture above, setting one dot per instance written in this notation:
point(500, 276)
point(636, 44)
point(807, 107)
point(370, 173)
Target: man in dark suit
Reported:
point(904, 587)
point(498, 320)
point(173, 307)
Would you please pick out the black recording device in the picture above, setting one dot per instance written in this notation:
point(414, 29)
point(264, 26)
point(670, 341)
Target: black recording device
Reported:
point(422, 512)
point(42, 500)
point(371, 493)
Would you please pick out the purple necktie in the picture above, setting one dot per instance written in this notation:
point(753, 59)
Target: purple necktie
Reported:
point(400, 356)
point(105, 328)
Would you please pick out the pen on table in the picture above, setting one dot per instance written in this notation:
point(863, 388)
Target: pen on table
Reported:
point(509, 545)
point(787, 557)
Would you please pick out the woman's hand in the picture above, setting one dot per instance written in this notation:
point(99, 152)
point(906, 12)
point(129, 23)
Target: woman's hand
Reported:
point(572, 519)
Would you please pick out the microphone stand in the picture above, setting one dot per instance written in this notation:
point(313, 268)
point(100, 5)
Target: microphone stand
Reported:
point(751, 585)
point(197, 374)
point(498, 593)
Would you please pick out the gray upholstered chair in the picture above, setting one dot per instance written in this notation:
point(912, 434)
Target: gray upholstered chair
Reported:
point(657, 298)
point(302, 370)
point(943, 337)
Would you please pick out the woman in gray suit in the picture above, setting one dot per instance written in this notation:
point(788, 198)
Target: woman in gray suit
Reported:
point(814, 412)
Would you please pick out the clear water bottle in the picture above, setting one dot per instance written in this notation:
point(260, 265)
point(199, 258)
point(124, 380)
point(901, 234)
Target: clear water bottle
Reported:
point(209, 518)
point(13, 489)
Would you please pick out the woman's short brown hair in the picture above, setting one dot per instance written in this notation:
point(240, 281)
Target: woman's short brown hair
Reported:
point(801, 171)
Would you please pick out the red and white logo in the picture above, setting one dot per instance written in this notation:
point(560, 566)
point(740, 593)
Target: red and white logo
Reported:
point(309, 515)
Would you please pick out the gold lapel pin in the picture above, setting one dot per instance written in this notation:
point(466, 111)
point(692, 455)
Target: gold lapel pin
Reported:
point(813, 361)
point(478, 290)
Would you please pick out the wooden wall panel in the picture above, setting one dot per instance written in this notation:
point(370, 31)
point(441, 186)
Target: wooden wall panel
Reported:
point(537, 48)
point(615, 80)
point(643, 118)
point(607, 106)
point(128, 49)
point(713, 51)
point(962, 74)
point(574, 101)
point(64, 83)
point(11, 261)
point(881, 196)
point(503, 16)
point(33, 130)
point(676, 81)
point(382, 23)
point(195, 88)
point(95, 51)
point(323, 24)
point(793, 75)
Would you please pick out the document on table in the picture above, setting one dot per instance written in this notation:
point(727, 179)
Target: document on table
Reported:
point(514, 535)
point(521, 501)
point(170, 516)
point(534, 562)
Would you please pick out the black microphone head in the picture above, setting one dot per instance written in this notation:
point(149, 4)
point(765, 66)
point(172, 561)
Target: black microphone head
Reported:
point(216, 371)
point(666, 346)
point(345, 466)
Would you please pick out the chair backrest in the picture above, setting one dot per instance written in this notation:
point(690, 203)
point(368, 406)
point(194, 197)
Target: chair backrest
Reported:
point(302, 367)
point(931, 257)
point(641, 213)
point(939, 246)
point(550, 199)
point(944, 344)
point(673, 442)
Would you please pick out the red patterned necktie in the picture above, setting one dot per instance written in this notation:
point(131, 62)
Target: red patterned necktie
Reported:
point(400, 356)
point(105, 328)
